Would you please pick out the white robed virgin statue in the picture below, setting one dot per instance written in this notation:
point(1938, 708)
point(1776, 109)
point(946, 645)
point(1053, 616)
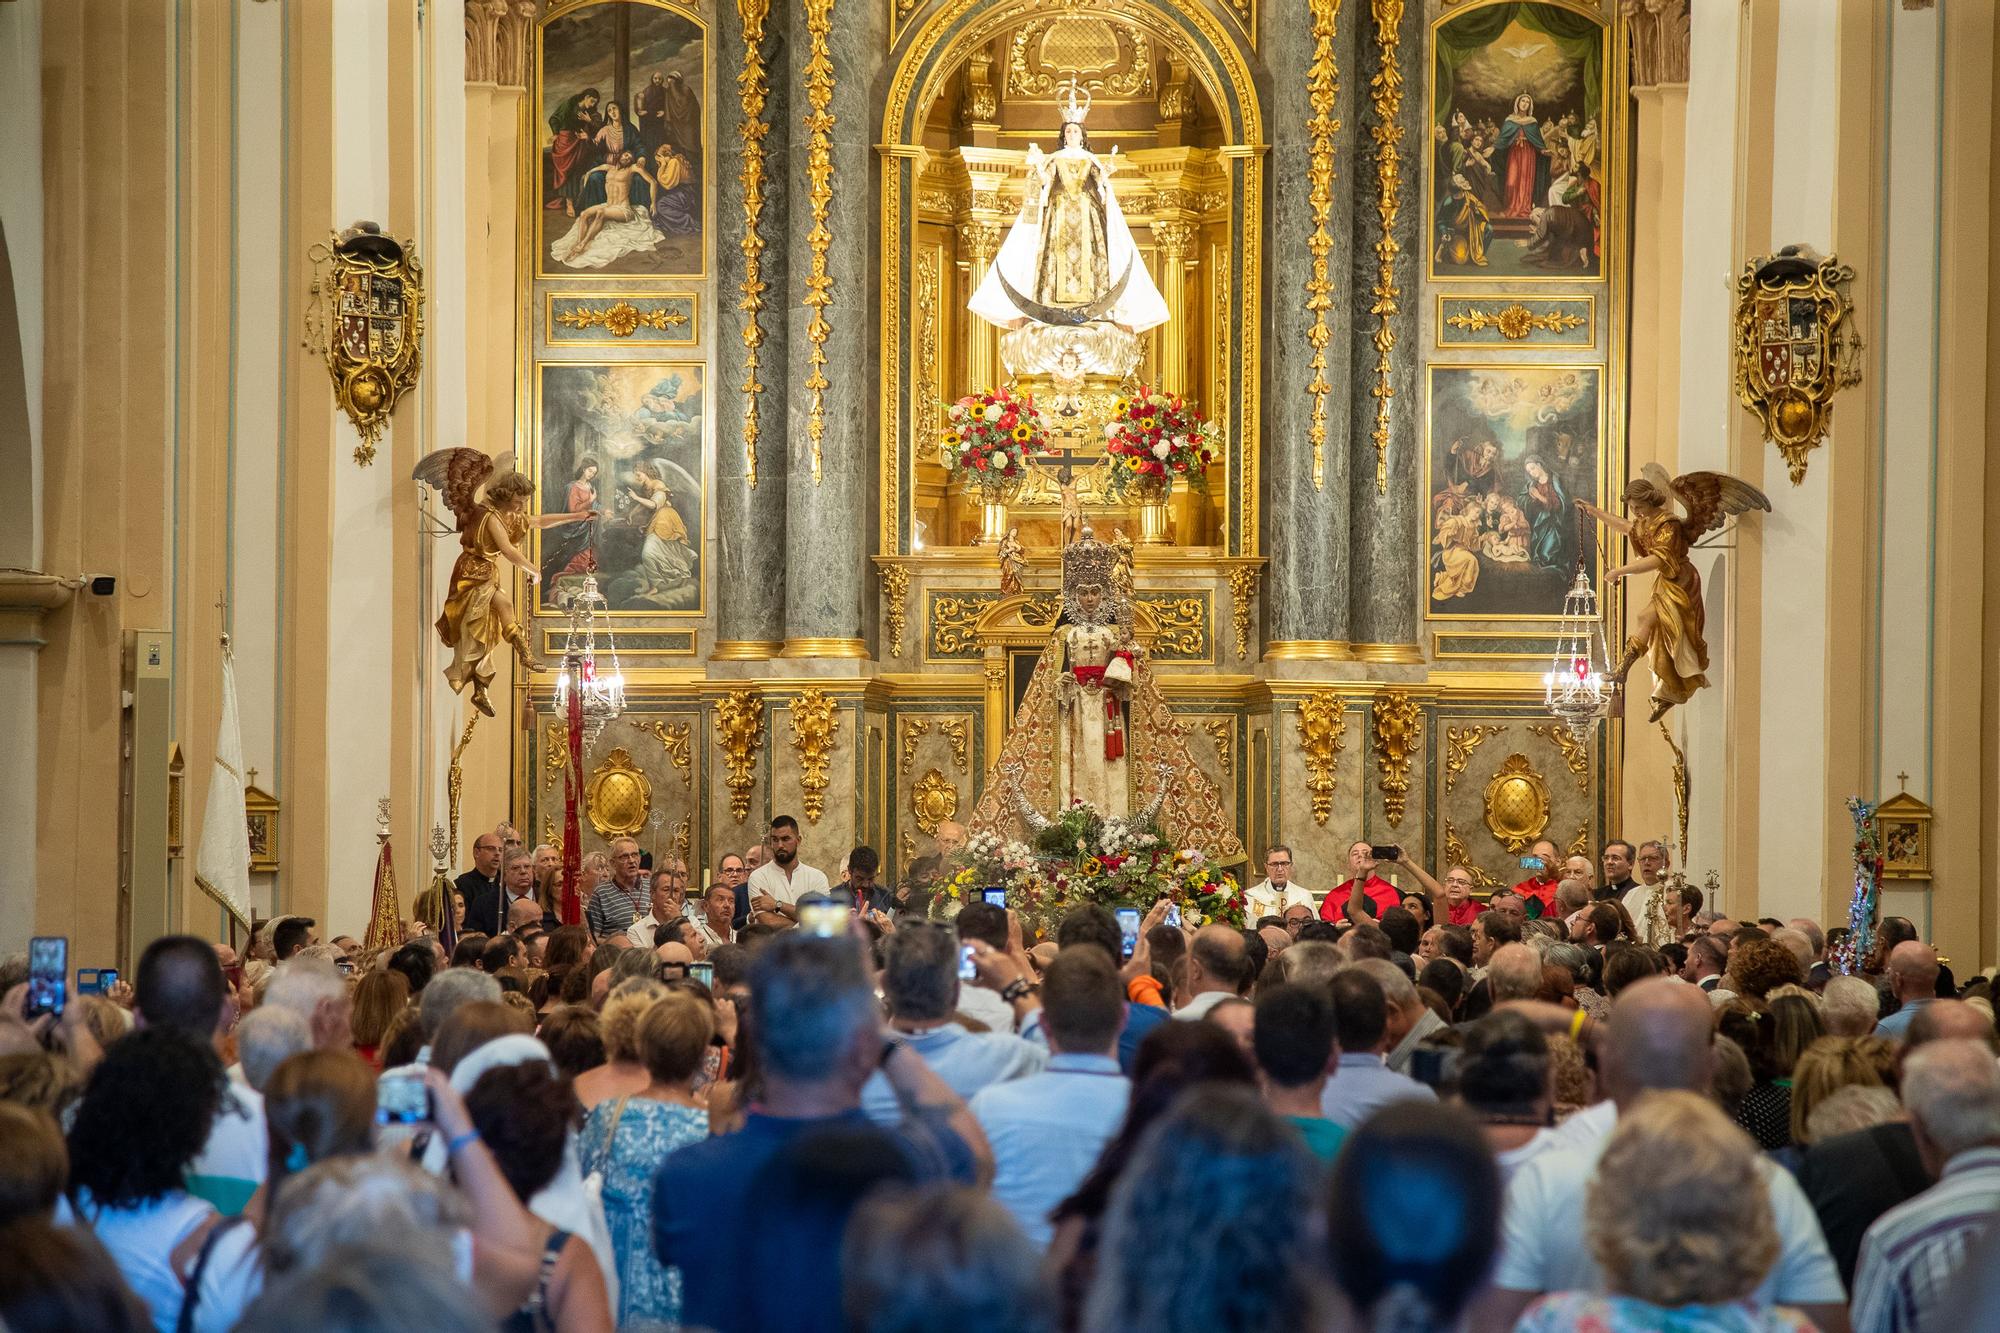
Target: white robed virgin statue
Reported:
point(1069, 258)
point(1094, 727)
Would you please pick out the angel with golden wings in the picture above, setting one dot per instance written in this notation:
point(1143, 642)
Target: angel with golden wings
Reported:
point(490, 500)
point(1666, 517)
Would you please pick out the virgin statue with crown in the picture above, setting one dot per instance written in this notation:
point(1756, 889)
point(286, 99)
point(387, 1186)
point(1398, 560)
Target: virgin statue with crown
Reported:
point(1094, 728)
point(1069, 258)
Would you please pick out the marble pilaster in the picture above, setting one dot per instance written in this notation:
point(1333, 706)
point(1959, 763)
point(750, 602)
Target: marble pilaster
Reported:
point(1305, 535)
point(1385, 573)
point(831, 516)
point(750, 521)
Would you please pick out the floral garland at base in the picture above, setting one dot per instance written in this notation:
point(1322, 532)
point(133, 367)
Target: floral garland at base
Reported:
point(1082, 858)
point(1852, 952)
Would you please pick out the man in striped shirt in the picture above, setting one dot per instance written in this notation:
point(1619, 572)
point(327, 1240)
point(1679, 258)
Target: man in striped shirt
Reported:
point(1911, 1256)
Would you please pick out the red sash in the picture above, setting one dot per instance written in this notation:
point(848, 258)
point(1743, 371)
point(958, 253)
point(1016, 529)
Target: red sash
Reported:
point(1114, 721)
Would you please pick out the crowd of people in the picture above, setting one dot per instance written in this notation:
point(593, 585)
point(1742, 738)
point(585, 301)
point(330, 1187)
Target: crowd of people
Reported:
point(1587, 1102)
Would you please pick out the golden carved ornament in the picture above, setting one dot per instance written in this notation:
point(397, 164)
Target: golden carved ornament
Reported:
point(819, 238)
point(365, 315)
point(1794, 347)
point(1322, 94)
point(813, 726)
point(739, 732)
point(956, 734)
point(1181, 624)
point(1107, 59)
point(618, 796)
point(1223, 732)
point(1173, 237)
point(555, 754)
point(952, 621)
point(1514, 322)
point(1040, 611)
point(924, 386)
point(676, 738)
point(933, 800)
point(684, 836)
point(1576, 755)
point(1459, 743)
point(1580, 844)
point(552, 835)
point(1242, 593)
point(1322, 731)
point(753, 91)
point(621, 318)
point(1680, 790)
point(1385, 92)
point(1517, 803)
point(895, 606)
point(1456, 854)
point(909, 731)
point(1399, 725)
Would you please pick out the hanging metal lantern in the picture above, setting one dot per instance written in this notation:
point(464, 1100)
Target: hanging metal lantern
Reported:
point(590, 671)
point(1577, 688)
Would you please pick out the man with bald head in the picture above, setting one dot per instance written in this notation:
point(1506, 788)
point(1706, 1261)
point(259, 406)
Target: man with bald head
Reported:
point(1218, 962)
point(1514, 973)
point(1660, 1036)
point(1913, 978)
point(1948, 1020)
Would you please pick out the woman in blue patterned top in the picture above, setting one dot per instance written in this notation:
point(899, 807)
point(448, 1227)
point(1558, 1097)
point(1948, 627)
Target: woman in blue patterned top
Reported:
point(626, 1138)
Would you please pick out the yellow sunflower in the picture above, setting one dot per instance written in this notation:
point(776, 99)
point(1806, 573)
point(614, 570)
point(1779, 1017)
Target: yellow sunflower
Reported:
point(978, 411)
point(1092, 866)
point(1022, 434)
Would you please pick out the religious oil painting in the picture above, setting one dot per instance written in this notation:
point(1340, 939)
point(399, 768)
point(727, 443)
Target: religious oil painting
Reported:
point(1512, 449)
point(1518, 123)
point(625, 443)
point(620, 148)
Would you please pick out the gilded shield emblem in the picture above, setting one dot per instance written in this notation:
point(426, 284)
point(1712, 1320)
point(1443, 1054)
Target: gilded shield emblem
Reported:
point(1794, 347)
point(365, 315)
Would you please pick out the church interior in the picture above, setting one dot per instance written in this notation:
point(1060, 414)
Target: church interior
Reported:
point(1450, 424)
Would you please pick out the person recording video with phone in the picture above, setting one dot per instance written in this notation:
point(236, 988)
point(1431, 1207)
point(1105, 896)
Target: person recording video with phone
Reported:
point(1365, 895)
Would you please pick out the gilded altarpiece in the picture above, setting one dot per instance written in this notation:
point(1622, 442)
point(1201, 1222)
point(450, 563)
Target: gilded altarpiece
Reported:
point(1516, 405)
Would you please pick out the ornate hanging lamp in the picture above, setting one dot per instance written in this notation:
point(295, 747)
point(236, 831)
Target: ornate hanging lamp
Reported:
point(590, 691)
point(1577, 688)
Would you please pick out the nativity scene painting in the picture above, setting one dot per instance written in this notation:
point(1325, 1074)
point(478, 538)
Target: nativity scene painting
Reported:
point(1513, 449)
point(619, 112)
point(622, 446)
point(1517, 154)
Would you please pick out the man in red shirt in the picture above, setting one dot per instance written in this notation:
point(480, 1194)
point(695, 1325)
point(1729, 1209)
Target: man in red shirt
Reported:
point(1461, 908)
point(1544, 866)
point(1381, 895)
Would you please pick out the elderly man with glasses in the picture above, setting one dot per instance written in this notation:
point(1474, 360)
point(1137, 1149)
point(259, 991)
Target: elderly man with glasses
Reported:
point(1277, 893)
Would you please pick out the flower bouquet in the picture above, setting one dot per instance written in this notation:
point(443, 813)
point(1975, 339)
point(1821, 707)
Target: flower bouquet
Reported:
point(1152, 439)
point(988, 439)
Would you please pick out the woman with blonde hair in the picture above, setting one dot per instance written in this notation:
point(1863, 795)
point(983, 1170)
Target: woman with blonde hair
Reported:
point(378, 998)
point(1680, 1221)
point(1833, 1063)
point(622, 1074)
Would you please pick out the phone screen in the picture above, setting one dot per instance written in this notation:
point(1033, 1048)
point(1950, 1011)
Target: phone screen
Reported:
point(1173, 917)
point(994, 897)
point(825, 919)
point(704, 972)
point(48, 975)
point(1531, 863)
point(1386, 852)
point(1128, 929)
point(966, 970)
point(402, 1100)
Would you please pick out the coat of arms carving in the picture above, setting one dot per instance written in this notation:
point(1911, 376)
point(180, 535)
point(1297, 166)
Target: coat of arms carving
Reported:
point(366, 316)
point(1794, 347)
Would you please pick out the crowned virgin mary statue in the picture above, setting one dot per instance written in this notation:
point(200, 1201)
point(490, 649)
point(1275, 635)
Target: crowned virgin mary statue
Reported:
point(1094, 727)
point(1069, 259)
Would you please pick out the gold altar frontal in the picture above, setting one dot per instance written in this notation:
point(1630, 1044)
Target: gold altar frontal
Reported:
point(1437, 741)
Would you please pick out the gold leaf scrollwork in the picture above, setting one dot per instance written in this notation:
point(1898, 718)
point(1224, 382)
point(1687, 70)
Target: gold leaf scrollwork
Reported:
point(1795, 347)
point(819, 238)
point(909, 731)
point(1455, 854)
point(1322, 95)
point(1222, 731)
point(675, 738)
point(957, 735)
point(1322, 731)
point(1576, 756)
point(1041, 610)
point(952, 619)
point(1517, 803)
point(1459, 743)
point(621, 319)
point(812, 714)
point(1127, 73)
point(1385, 92)
point(555, 754)
point(933, 800)
point(739, 731)
point(618, 796)
point(895, 606)
point(684, 836)
point(1514, 321)
point(1242, 595)
point(1181, 627)
point(753, 91)
point(1399, 725)
point(1580, 844)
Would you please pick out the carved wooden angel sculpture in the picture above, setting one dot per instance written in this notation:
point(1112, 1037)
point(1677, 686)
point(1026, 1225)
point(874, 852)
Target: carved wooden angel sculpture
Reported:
point(490, 501)
point(1665, 518)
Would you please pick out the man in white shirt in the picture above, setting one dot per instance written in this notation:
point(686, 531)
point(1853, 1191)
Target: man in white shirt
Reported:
point(1277, 892)
point(920, 982)
point(712, 922)
point(1048, 1129)
point(667, 900)
point(778, 884)
point(179, 985)
point(1659, 1036)
point(1217, 963)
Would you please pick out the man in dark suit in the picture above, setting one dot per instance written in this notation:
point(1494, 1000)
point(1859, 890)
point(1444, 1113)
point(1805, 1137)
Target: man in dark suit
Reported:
point(481, 887)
